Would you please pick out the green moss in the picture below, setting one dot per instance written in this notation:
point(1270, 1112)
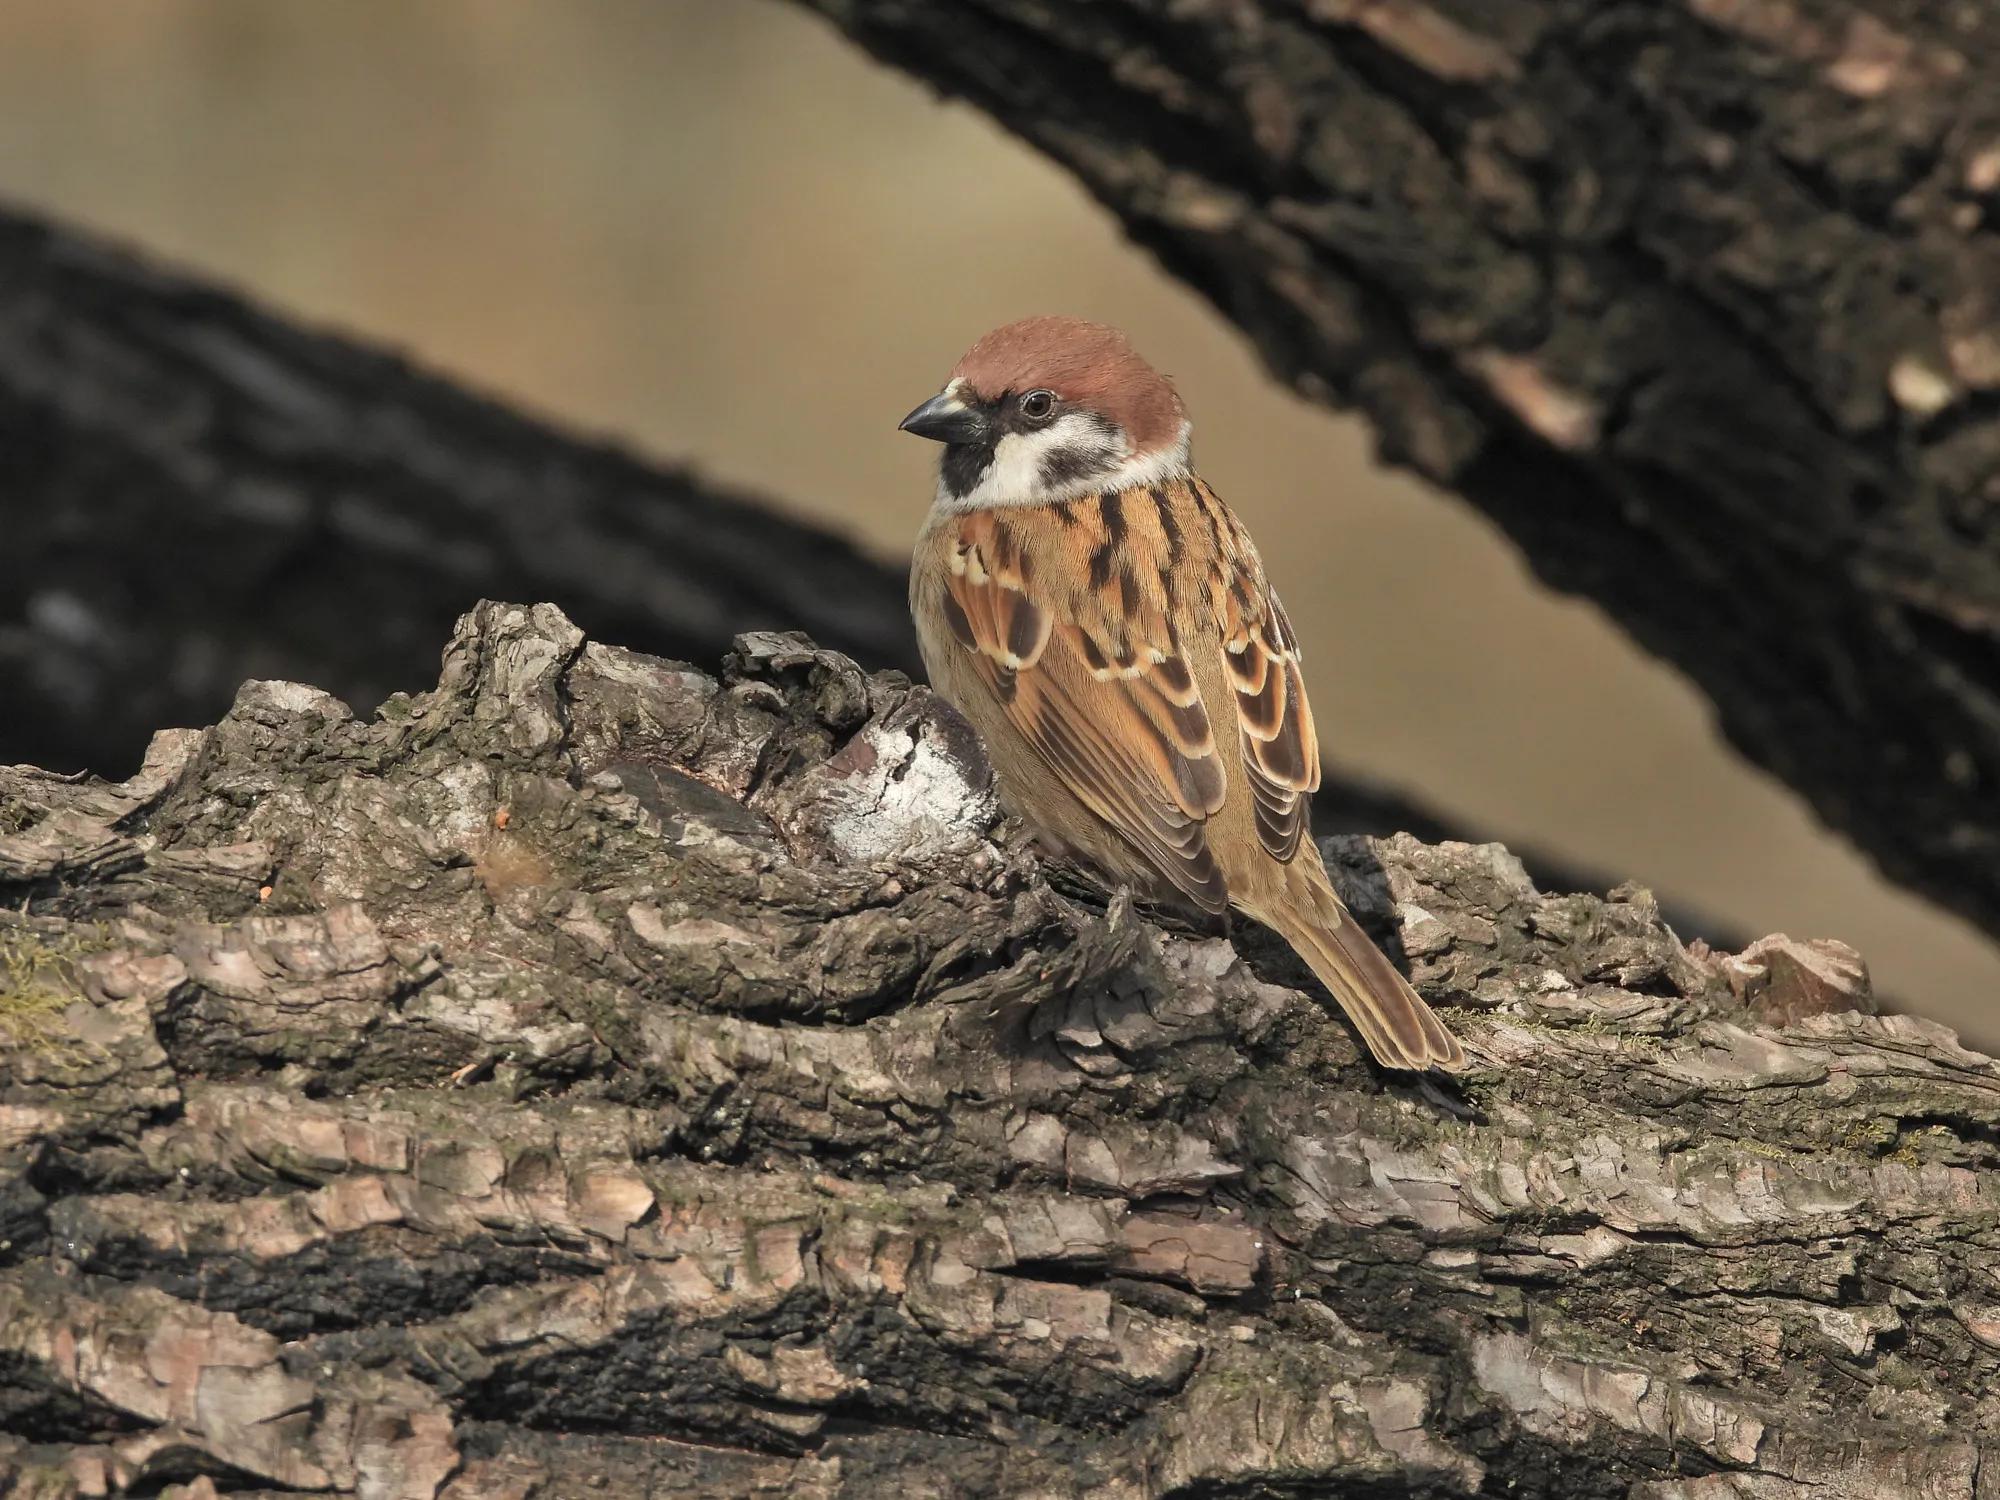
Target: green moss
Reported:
point(1933, 1143)
point(1867, 1137)
point(1898, 1374)
point(1766, 1149)
point(37, 984)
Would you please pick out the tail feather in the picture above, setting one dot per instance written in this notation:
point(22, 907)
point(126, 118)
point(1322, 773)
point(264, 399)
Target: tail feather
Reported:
point(1399, 1028)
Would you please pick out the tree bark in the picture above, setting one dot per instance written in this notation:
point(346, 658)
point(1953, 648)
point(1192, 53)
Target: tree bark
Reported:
point(591, 1077)
point(1697, 300)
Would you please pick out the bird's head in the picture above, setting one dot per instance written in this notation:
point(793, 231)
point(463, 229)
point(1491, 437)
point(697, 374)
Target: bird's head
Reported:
point(1047, 409)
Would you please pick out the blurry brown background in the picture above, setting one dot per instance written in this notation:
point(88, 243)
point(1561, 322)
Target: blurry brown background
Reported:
point(709, 228)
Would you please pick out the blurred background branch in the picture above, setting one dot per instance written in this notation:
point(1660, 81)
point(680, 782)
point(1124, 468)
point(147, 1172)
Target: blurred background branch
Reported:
point(297, 505)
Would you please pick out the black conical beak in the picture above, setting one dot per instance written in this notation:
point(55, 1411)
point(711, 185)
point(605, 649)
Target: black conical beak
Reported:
point(946, 419)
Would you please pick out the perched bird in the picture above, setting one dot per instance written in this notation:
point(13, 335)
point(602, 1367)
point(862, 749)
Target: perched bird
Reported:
point(1086, 600)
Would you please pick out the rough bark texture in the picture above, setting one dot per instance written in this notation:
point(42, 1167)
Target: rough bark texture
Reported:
point(1699, 300)
point(591, 1077)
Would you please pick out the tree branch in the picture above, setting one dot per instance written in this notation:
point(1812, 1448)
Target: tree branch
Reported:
point(198, 493)
point(592, 1068)
point(1696, 300)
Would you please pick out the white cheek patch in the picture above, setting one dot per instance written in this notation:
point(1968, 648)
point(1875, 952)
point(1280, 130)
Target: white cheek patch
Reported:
point(1017, 465)
point(1095, 460)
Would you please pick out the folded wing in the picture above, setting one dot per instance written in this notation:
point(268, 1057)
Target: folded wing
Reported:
point(1280, 745)
point(1107, 699)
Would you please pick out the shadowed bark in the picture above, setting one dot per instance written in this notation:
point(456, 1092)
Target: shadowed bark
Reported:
point(1696, 299)
point(593, 1077)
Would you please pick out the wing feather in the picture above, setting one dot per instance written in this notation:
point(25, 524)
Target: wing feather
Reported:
point(1280, 743)
point(1118, 717)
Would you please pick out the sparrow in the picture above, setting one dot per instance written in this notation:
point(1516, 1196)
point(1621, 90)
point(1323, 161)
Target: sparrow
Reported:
point(1087, 601)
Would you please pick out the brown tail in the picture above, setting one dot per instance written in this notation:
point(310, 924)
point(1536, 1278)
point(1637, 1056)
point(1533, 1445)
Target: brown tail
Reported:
point(1399, 1028)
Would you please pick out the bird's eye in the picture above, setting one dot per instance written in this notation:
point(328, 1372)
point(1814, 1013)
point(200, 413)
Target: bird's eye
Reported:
point(1038, 406)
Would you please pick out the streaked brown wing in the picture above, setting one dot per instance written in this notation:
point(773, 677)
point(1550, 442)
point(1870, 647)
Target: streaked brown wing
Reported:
point(1280, 745)
point(1118, 718)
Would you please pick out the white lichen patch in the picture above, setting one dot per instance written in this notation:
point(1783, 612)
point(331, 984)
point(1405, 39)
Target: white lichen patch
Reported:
point(291, 698)
point(906, 792)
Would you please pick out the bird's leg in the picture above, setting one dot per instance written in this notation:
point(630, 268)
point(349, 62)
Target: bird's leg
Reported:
point(1017, 833)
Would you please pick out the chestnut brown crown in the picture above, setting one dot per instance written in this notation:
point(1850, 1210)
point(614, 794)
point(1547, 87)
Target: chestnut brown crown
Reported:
point(1088, 365)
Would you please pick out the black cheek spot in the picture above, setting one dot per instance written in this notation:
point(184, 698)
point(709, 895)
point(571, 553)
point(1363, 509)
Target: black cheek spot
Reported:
point(965, 464)
point(1066, 466)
